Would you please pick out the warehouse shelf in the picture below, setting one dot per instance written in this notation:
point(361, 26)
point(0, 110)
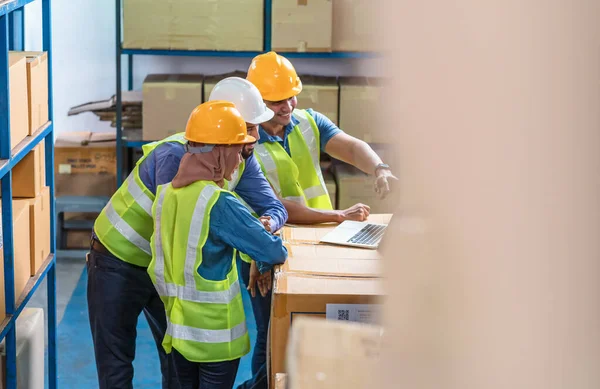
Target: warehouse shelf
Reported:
point(24, 147)
point(246, 54)
point(32, 285)
point(8, 6)
point(10, 13)
point(124, 141)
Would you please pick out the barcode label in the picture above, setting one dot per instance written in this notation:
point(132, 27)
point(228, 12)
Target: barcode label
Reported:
point(364, 313)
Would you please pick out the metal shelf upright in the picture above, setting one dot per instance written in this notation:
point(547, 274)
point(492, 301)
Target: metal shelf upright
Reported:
point(11, 14)
point(133, 142)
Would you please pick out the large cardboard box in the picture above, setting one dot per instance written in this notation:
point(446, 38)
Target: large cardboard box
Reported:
point(301, 25)
point(39, 224)
point(212, 80)
point(29, 175)
point(85, 152)
point(300, 295)
point(37, 87)
point(168, 102)
point(332, 354)
point(360, 100)
point(353, 25)
point(321, 94)
point(354, 186)
point(19, 100)
point(22, 252)
point(193, 25)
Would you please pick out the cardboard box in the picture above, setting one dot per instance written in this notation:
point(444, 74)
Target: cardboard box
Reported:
point(39, 224)
point(37, 88)
point(321, 94)
point(211, 81)
point(332, 354)
point(280, 380)
point(301, 25)
point(19, 100)
point(22, 253)
point(354, 186)
point(193, 25)
point(29, 175)
point(353, 25)
point(360, 100)
point(85, 153)
point(168, 102)
point(301, 295)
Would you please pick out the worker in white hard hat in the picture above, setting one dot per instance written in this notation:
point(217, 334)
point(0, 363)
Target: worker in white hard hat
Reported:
point(119, 287)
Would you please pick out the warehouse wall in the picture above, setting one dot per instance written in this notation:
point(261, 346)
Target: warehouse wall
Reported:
point(84, 46)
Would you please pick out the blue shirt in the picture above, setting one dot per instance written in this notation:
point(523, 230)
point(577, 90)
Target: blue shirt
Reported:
point(327, 130)
point(161, 166)
point(245, 234)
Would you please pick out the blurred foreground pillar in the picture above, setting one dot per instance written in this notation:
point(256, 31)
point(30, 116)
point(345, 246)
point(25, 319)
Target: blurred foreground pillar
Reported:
point(496, 111)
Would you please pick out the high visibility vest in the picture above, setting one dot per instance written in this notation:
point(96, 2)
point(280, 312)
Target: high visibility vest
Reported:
point(124, 226)
point(297, 177)
point(205, 319)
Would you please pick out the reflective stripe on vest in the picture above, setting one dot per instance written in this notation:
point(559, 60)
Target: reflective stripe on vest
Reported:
point(120, 234)
point(303, 164)
point(195, 290)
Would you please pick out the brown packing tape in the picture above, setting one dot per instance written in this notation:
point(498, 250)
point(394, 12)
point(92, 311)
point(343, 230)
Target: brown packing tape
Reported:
point(302, 2)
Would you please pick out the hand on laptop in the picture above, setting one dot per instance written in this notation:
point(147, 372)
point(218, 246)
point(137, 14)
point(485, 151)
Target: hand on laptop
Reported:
point(358, 212)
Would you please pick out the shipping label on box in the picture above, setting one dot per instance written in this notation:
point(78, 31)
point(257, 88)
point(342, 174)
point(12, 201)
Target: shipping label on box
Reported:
point(298, 295)
point(301, 25)
point(86, 153)
point(361, 313)
point(168, 102)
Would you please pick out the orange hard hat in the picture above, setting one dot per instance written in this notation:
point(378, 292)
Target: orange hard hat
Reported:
point(217, 122)
point(274, 76)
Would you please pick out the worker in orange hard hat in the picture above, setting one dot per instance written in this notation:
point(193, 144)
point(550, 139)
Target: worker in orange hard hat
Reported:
point(288, 150)
point(198, 226)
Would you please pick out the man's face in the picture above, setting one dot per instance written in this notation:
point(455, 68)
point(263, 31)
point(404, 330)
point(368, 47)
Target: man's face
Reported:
point(248, 149)
point(283, 110)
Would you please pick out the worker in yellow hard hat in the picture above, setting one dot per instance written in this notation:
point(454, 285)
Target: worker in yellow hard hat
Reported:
point(198, 228)
point(288, 151)
point(291, 143)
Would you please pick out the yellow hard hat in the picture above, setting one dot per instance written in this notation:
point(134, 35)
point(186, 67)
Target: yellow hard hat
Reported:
point(217, 122)
point(274, 76)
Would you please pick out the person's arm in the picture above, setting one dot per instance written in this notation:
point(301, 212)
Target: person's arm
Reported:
point(255, 190)
point(161, 166)
point(301, 214)
point(236, 227)
point(353, 151)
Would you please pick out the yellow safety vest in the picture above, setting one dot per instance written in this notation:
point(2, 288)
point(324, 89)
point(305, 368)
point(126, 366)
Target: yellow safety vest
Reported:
point(297, 177)
point(205, 319)
point(124, 226)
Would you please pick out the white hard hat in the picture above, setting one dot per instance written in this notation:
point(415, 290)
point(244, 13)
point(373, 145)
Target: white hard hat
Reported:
point(245, 96)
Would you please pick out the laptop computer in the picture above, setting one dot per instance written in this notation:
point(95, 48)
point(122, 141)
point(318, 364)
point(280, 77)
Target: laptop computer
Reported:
point(356, 234)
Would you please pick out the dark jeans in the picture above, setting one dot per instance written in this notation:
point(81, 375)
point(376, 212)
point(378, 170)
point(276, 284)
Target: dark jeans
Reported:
point(194, 375)
point(117, 292)
point(261, 307)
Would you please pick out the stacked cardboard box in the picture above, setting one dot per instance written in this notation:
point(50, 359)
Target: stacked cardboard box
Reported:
point(302, 25)
point(320, 94)
point(84, 165)
point(322, 281)
point(19, 99)
point(168, 101)
point(360, 105)
point(327, 354)
point(354, 25)
point(193, 25)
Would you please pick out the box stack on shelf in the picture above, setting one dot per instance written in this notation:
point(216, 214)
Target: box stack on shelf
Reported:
point(27, 195)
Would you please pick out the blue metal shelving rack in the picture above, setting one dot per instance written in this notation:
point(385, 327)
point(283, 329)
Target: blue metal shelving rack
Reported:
point(11, 14)
point(136, 143)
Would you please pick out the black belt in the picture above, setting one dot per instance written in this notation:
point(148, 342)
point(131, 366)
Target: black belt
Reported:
point(99, 247)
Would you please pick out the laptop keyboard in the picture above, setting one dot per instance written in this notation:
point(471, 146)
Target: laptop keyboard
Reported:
point(368, 235)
